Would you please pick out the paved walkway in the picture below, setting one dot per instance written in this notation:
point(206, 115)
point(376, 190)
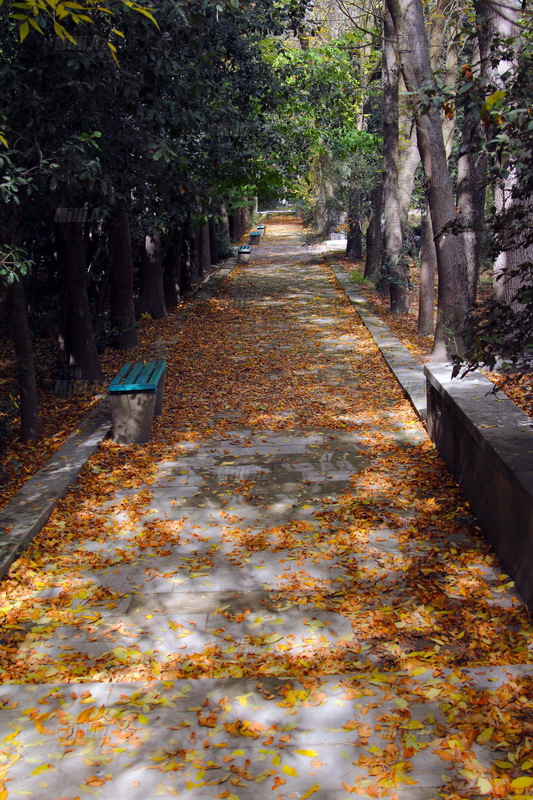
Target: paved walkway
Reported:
point(289, 600)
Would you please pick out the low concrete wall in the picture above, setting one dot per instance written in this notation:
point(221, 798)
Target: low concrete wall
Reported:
point(487, 444)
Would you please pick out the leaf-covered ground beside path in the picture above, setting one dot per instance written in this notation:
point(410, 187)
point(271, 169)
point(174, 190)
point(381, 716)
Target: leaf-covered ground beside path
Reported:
point(517, 386)
point(291, 541)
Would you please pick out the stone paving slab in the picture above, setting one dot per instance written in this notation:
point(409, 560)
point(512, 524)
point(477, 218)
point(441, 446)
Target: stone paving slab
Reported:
point(195, 738)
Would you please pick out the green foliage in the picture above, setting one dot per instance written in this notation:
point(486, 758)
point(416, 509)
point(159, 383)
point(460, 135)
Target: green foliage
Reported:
point(13, 265)
point(225, 250)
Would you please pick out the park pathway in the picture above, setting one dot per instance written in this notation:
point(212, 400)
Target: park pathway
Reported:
point(283, 595)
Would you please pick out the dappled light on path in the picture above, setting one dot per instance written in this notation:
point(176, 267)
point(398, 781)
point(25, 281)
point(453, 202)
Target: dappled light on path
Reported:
point(283, 594)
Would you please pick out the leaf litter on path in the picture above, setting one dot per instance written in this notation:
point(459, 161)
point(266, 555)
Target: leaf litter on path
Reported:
point(284, 589)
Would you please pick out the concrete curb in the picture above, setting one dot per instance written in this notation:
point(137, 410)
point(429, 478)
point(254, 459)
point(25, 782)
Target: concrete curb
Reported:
point(407, 370)
point(24, 516)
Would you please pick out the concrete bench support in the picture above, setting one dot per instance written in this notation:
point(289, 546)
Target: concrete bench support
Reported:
point(136, 395)
point(244, 254)
point(487, 444)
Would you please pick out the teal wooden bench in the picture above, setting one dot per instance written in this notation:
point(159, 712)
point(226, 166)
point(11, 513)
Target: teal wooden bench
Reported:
point(136, 395)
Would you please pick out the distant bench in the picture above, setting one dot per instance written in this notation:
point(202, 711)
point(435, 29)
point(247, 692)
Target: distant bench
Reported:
point(136, 394)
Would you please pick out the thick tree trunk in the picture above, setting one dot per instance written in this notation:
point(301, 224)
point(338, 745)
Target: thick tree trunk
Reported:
point(223, 221)
point(205, 248)
point(233, 227)
point(172, 265)
point(500, 20)
point(197, 252)
point(354, 242)
point(121, 299)
point(151, 291)
point(213, 246)
point(409, 157)
point(20, 331)
point(394, 265)
point(373, 234)
point(471, 173)
point(428, 267)
point(186, 265)
point(408, 18)
point(77, 334)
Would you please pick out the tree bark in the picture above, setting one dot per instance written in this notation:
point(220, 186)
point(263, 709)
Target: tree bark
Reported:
point(223, 223)
point(394, 265)
point(373, 234)
point(205, 248)
point(121, 299)
point(77, 333)
point(151, 290)
point(354, 241)
point(20, 332)
point(186, 265)
point(233, 227)
point(408, 18)
point(172, 265)
point(471, 173)
point(428, 266)
point(501, 20)
point(408, 156)
point(213, 246)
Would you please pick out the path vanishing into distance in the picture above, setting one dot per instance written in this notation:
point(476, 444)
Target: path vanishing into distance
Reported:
point(283, 595)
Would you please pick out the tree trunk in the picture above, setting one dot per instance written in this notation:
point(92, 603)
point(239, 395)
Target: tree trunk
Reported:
point(151, 291)
point(373, 234)
point(233, 227)
point(393, 262)
point(197, 252)
point(186, 265)
point(205, 248)
point(428, 266)
point(354, 242)
point(213, 246)
point(122, 304)
point(408, 156)
point(20, 331)
point(408, 18)
point(223, 223)
point(471, 173)
point(172, 265)
point(77, 334)
point(500, 20)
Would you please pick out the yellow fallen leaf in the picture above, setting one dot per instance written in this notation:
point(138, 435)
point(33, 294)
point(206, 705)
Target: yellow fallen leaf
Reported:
point(485, 735)
point(289, 770)
point(308, 753)
point(522, 783)
point(11, 736)
point(401, 702)
point(42, 768)
point(484, 785)
point(276, 760)
point(143, 719)
point(314, 788)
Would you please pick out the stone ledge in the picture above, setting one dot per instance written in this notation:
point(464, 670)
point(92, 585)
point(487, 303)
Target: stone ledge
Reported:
point(22, 518)
point(487, 444)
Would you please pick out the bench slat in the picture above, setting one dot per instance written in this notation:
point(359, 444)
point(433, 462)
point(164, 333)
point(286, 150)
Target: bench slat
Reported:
point(140, 377)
